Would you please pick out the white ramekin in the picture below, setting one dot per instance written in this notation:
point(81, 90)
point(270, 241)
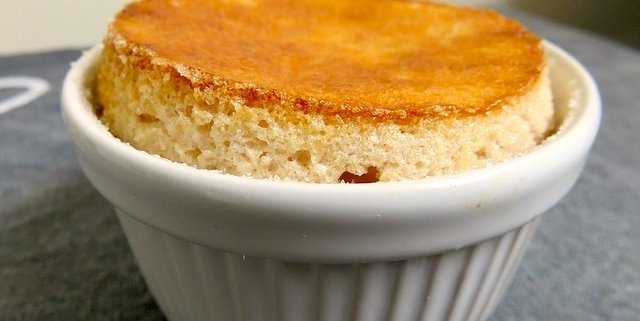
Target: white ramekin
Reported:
point(220, 247)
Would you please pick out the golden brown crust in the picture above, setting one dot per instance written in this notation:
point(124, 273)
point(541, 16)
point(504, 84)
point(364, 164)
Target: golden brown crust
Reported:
point(397, 61)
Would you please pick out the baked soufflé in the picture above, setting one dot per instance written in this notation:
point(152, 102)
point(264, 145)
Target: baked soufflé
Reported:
point(323, 91)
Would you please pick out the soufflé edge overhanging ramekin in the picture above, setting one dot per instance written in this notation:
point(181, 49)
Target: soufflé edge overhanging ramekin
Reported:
point(220, 247)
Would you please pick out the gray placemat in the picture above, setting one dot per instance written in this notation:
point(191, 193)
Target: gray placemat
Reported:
point(63, 256)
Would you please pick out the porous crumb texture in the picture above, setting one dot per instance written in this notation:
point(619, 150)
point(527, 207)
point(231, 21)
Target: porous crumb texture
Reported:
point(158, 107)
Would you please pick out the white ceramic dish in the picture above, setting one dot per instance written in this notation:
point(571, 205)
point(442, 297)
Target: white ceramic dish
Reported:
point(219, 247)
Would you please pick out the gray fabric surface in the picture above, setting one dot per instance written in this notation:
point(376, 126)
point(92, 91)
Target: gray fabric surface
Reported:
point(63, 256)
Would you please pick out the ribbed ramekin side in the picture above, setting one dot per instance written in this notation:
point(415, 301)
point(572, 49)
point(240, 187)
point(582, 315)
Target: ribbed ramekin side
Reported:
point(193, 283)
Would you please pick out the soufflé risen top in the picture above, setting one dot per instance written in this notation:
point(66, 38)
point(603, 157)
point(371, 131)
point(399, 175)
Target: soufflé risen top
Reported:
point(323, 91)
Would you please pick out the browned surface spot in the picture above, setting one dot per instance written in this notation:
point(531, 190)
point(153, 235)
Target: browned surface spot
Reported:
point(391, 60)
point(371, 176)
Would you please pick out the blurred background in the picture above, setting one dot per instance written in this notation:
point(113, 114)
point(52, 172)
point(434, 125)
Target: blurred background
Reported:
point(40, 25)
